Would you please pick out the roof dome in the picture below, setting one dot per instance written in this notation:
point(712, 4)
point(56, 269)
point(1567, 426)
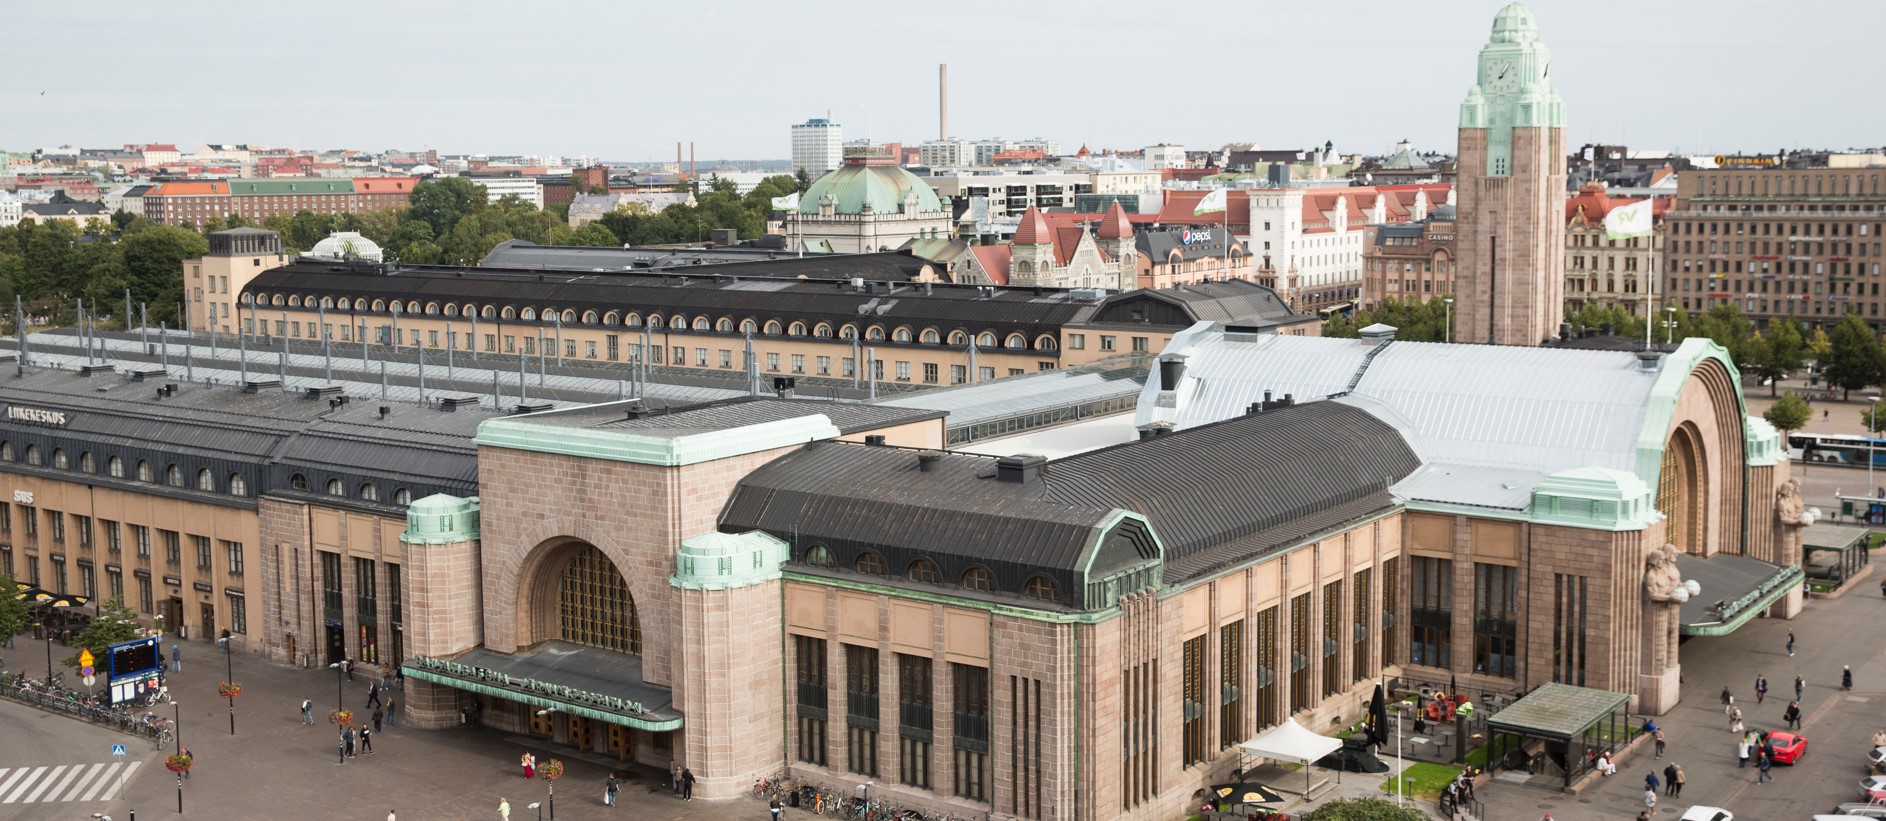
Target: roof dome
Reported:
point(1445, 213)
point(346, 245)
point(883, 187)
point(1515, 24)
point(423, 169)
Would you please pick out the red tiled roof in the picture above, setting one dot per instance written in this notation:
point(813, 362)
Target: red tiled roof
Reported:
point(1033, 230)
point(1115, 224)
point(994, 260)
point(1057, 219)
point(384, 185)
point(1178, 206)
point(1066, 239)
point(181, 188)
point(160, 147)
point(1593, 204)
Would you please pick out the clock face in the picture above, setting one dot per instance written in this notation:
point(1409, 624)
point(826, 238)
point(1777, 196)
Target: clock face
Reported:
point(1502, 76)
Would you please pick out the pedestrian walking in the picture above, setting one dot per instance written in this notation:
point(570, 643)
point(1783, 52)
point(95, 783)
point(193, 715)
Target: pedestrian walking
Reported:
point(1800, 684)
point(185, 751)
point(1763, 777)
point(687, 784)
point(176, 658)
point(1761, 688)
point(1676, 787)
point(348, 665)
point(1735, 718)
point(529, 763)
point(377, 717)
point(1846, 678)
point(610, 789)
point(1879, 738)
point(1651, 783)
point(773, 806)
point(366, 739)
point(1650, 799)
point(1669, 779)
point(1790, 644)
point(504, 810)
point(1792, 715)
point(349, 736)
point(1659, 741)
point(1741, 751)
point(307, 711)
point(390, 816)
point(1728, 699)
point(373, 694)
point(391, 709)
point(674, 774)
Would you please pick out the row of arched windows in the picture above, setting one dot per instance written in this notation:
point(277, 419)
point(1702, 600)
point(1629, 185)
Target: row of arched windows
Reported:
point(235, 485)
point(367, 492)
point(677, 321)
point(976, 578)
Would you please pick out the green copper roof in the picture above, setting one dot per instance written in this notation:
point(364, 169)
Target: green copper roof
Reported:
point(1762, 442)
point(1594, 498)
point(668, 448)
point(724, 561)
point(249, 188)
point(1660, 409)
point(440, 519)
point(1515, 24)
point(883, 187)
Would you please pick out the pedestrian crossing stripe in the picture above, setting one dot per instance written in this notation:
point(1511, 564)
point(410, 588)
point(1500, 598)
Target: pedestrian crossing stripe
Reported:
point(65, 783)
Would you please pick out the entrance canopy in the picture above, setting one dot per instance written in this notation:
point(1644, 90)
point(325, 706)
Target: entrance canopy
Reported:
point(1290, 741)
point(1734, 590)
point(584, 681)
point(1571, 720)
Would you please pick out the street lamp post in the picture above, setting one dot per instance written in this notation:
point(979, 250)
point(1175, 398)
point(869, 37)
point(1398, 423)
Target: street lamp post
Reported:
point(48, 631)
point(229, 667)
point(1872, 430)
point(1447, 324)
point(177, 726)
point(539, 807)
point(1669, 324)
point(339, 670)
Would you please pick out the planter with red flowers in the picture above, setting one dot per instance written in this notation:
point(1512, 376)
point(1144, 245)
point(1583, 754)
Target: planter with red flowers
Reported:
point(342, 717)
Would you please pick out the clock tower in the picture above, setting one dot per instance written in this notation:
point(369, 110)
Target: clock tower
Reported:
point(1511, 191)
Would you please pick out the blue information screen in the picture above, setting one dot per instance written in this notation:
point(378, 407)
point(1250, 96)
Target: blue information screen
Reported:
point(135, 658)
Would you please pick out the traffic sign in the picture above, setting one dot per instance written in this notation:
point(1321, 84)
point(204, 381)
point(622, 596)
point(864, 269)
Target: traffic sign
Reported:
point(85, 659)
point(117, 750)
point(88, 680)
point(86, 670)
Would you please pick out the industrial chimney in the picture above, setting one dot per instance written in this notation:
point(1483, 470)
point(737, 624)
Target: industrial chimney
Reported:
point(943, 101)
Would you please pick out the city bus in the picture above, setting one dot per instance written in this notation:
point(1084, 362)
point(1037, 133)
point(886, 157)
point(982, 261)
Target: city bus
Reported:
point(1836, 448)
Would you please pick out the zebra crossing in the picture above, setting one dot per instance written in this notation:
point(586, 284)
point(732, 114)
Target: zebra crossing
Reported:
point(65, 783)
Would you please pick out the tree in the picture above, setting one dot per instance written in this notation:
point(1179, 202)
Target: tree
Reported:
point(14, 613)
point(1778, 354)
point(1856, 359)
point(122, 218)
point(1789, 413)
point(441, 203)
point(116, 624)
point(594, 234)
point(1414, 321)
point(801, 179)
point(1364, 809)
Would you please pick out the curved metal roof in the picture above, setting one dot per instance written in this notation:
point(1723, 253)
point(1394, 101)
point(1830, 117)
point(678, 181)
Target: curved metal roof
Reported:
point(883, 187)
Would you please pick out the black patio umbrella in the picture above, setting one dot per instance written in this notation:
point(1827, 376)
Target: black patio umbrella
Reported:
point(1378, 716)
point(1248, 792)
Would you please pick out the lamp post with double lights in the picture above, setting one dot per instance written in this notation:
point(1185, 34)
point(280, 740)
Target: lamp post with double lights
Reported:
point(1669, 324)
point(551, 771)
point(1447, 323)
point(1872, 433)
point(230, 688)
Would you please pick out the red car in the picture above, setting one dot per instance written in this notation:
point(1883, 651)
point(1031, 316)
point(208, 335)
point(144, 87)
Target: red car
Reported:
point(1788, 746)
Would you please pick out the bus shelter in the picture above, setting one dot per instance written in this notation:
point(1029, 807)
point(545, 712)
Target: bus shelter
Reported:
point(1571, 725)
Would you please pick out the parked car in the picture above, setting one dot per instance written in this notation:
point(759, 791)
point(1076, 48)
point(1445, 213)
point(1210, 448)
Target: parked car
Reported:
point(1873, 788)
point(1700, 813)
point(1788, 747)
point(1876, 760)
point(1869, 809)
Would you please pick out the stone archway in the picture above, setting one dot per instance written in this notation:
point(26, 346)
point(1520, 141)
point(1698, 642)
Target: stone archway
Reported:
point(1683, 489)
point(572, 591)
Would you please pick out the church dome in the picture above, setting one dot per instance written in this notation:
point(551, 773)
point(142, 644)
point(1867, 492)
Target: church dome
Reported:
point(346, 245)
point(855, 185)
point(1515, 24)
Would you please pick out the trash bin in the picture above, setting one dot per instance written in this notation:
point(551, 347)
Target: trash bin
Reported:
point(792, 799)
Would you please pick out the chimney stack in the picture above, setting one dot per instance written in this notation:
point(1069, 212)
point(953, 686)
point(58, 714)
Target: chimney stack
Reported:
point(943, 101)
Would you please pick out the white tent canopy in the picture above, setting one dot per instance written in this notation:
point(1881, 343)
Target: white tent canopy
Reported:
point(1290, 741)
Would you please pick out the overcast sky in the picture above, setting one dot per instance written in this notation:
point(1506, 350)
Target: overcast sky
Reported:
point(625, 79)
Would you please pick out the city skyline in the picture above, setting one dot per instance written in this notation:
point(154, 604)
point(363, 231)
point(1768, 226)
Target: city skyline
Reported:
point(1064, 72)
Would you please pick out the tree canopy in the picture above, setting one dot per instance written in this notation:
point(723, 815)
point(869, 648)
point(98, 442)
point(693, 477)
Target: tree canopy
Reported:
point(116, 624)
point(1789, 413)
point(1855, 359)
point(1364, 809)
point(14, 613)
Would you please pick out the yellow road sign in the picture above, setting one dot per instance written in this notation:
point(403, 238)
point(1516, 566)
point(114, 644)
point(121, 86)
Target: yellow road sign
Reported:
point(85, 658)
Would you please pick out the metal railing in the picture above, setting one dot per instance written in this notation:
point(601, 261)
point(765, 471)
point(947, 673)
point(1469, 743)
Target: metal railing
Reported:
point(114, 717)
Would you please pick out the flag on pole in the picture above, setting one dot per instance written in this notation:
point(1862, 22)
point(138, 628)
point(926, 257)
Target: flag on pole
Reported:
point(1214, 201)
point(790, 202)
point(1632, 220)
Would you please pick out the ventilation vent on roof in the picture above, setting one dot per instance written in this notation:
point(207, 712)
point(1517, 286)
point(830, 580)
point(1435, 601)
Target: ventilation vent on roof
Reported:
point(1020, 469)
point(260, 385)
point(453, 403)
point(928, 460)
point(94, 370)
point(148, 374)
point(529, 407)
point(875, 440)
point(322, 391)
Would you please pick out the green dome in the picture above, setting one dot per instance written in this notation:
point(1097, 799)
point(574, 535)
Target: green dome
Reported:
point(1515, 24)
point(883, 187)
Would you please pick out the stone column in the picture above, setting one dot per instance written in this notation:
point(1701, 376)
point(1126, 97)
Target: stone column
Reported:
point(445, 602)
point(728, 689)
point(1791, 520)
point(1658, 685)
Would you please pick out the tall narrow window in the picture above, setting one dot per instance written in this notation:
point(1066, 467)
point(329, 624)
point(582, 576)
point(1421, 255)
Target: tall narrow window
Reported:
point(916, 707)
point(1192, 663)
point(1230, 684)
point(1391, 583)
point(1359, 609)
point(1300, 653)
point(861, 709)
point(366, 609)
point(1430, 611)
point(331, 587)
point(594, 606)
point(1568, 629)
point(971, 709)
point(1265, 670)
point(1332, 644)
point(809, 654)
point(1495, 620)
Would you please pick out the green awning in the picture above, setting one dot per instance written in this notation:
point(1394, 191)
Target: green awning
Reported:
point(571, 678)
point(658, 726)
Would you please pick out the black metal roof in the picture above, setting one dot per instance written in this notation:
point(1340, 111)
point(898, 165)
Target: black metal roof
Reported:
point(1215, 495)
point(739, 412)
point(744, 262)
point(1161, 244)
point(1231, 302)
point(714, 290)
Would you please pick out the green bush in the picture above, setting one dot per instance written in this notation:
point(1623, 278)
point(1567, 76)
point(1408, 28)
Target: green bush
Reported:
point(1364, 809)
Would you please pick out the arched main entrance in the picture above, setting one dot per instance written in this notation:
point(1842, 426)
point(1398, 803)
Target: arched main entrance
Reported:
point(1682, 489)
point(594, 606)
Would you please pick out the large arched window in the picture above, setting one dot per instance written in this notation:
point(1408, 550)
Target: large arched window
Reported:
point(818, 555)
point(869, 563)
point(32, 454)
point(205, 480)
point(594, 606)
point(59, 459)
point(145, 473)
point(1040, 587)
point(238, 486)
point(1680, 490)
point(298, 482)
point(923, 570)
point(115, 466)
point(979, 578)
point(173, 476)
point(336, 488)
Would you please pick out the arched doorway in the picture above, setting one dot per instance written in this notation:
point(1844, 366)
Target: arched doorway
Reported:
point(593, 606)
point(1682, 490)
